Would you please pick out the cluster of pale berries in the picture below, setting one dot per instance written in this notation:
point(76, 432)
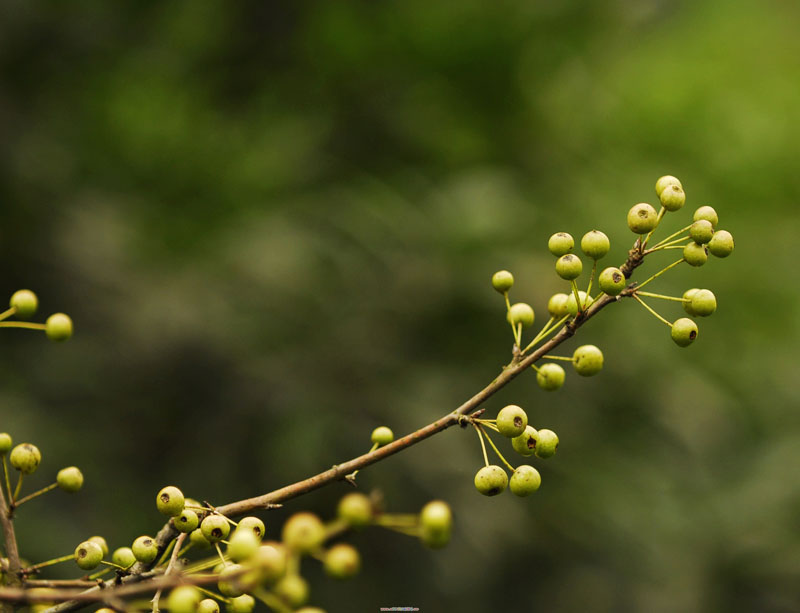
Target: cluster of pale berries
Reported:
point(24, 304)
point(25, 458)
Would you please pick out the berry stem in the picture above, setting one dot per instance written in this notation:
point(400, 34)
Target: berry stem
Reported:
point(168, 550)
point(496, 450)
point(213, 595)
point(577, 296)
point(44, 490)
point(16, 493)
point(558, 357)
point(665, 247)
point(219, 552)
point(665, 244)
point(99, 574)
point(397, 519)
point(22, 324)
point(643, 244)
point(658, 274)
point(111, 565)
point(8, 313)
point(508, 301)
point(353, 474)
point(662, 296)
point(671, 236)
point(642, 302)
point(591, 278)
point(271, 600)
point(32, 569)
point(488, 424)
point(539, 335)
point(483, 445)
point(8, 482)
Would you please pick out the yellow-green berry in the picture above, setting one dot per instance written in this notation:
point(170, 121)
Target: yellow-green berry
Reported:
point(666, 181)
point(550, 376)
point(198, 539)
point(170, 501)
point(208, 605)
point(242, 544)
point(382, 436)
point(557, 305)
point(721, 244)
point(707, 213)
point(595, 244)
point(701, 231)
point(303, 532)
point(270, 561)
point(229, 580)
point(687, 300)
point(184, 599)
point(520, 313)
point(642, 218)
point(145, 549)
point(241, 604)
point(88, 555)
point(511, 421)
point(187, 521)
point(491, 480)
point(355, 509)
point(123, 556)
point(525, 443)
point(436, 523)
point(5, 443)
point(70, 479)
point(572, 302)
point(684, 331)
point(569, 266)
point(704, 302)
point(560, 243)
point(101, 542)
point(587, 360)
point(342, 561)
point(58, 327)
point(25, 458)
point(612, 281)
point(525, 480)
point(24, 302)
point(694, 254)
point(672, 197)
point(215, 528)
point(254, 524)
point(546, 443)
point(502, 281)
point(293, 589)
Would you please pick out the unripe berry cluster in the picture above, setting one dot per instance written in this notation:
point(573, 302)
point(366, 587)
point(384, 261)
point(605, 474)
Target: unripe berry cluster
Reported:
point(24, 304)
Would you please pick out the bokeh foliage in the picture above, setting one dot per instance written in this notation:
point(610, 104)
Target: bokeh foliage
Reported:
point(274, 226)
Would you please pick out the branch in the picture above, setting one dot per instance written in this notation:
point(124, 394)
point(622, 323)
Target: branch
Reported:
point(12, 552)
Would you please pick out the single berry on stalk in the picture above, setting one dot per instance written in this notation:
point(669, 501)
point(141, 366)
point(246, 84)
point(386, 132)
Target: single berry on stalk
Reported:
point(511, 421)
point(550, 376)
point(491, 480)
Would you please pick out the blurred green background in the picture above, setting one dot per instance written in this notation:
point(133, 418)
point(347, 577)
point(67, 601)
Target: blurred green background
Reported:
point(274, 226)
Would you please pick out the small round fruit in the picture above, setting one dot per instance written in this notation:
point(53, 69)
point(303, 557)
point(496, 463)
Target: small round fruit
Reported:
point(694, 254)
point(25, 303)
point(612, 281)
point(666, 181)
point(520, 313)
point(502, 281)
point(254, 524)
point(184, 599)
point(701, 231)
point(123, 556)
point(672, 198)
point(546, 443)
point(58, 327)
point(382, 435)
point(704, 302)
point(145, 549)
point(70, 479)
point(436, 522)
point(5, 443)
point(342, 561)
point(208, 605)
point(511, 421)
point(721, 244)
point(270, 561)
point(187, 521)
point(101, 542)
point(25, 458)
point(525, 443)
point(88, 555)
point(572, 302)
point(684, 331)
point(215, 528)
point(198, 539)
point(491, 480)
point(355, 509)
point(587, 360)
point(642, 218)
point(229, 580)
point(170, 501)
point(687, 300)
point(303, 532)
point(525, 480)
point(242, 544)
point(241, 604)
point(560, 244)
point(569, 266)
point(557, 305)
point(550, 376)
point(595, 244)
point(293, 589)
point(707, 213)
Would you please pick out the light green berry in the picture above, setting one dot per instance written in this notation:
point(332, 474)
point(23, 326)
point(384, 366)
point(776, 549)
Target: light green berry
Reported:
point(24, 302)
point(704, 302)
point(123, 556)
point(58, 327)
point(550, 376)
point(436, 523)
point(242, 544)
point(303, 532)
point(293, 589)
point(569, 266)
point(612, 281)
point(241, 604)
point(170, 501)
point(25, 457)
point(70, 479)
point(525, 443)
point(491, 480)
point(208, 605)
point(198, 539)
point(694, 254)
point(560, 243)
point(684, 331)
point(342, 561)
point(254, 524)
point(502, 281)
point(270, 561)
point(88, 555)
point(145, 549)
point(382, 435)
point(546, 443)
point(587, 360)
point(672, 198)
point(687, 300)
point(187, 521)
point(6, 443)
point(520, 313)
point(101, 542)
point(701, 231)
point(229, 580)
point(355, 509)
point(215, 528)
point(595, 244)
point(511, 421)
point(525, 480)
point(557, 305)
point(642, 218)
point(184, 599)
point(721, 244)
point(572, 302)
point(666, 181)
point(707, 213)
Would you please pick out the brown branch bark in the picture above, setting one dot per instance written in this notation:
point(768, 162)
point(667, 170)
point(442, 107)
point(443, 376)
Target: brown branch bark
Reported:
point(12, 552)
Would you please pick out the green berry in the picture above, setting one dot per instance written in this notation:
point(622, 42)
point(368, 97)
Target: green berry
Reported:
point(382, 435)
point(145, 549)
point(242, 544)
point(560, 244)
point(721, 244)
point(491, 480)
point(511, 421)
point(525, 480)
point(88, 555)
point(672, 197)
point(58, 327)
point(123, 556)
point(701, 231)
point(612, 281)
point(184, 599)
point(694, 254)
point(254, 524)
point(642, 218)
point(436, 523)
point(208, 605)
point(101, 542)
point(241, 604)
point(187, 521)
point(198, 539)
point(666, 181)
point(229, 580)
point(707, 213)
point(546, 443)
point(270, 561)
point(25, 303)
point(293, 589)
point(525, 443)
point(550, 377)
point(569, 266)
point(587, 360)
point(572, 302)
point(303, 532)
point(704, 302)
point(520, 313)
point(70, 479)
point(684, 331)
point(557, 305)
point(502, 281)
point(25, 458)
point(170, 501)
point(342, 561)
point(595, 244)
point(5, 443)
point(687, 300)
point(215, 528)
point(355, 509)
